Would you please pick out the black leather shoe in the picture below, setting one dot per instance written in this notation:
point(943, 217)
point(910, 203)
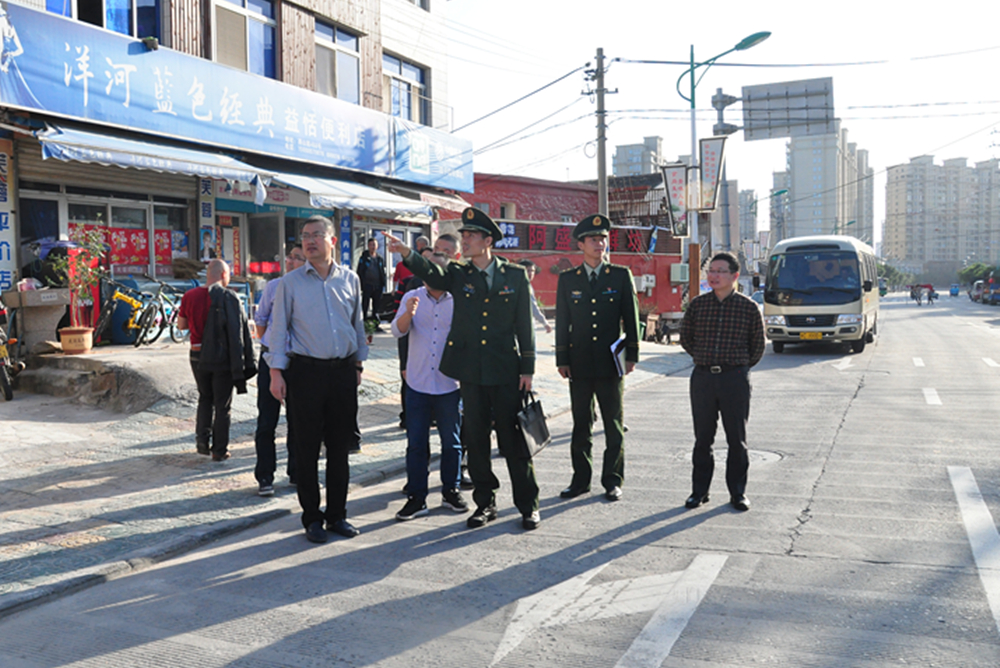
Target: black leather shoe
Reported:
point(315, 533)
point(573, 492)
point(343, 528)
point(740, 502)
point(694, 501)
point(481, 517)
point(613, 494)
point(531, 522)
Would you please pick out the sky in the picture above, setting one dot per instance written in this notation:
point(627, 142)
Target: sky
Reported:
point(909, 79)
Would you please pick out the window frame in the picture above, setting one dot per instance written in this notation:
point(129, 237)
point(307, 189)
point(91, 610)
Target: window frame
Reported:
point(336, 47)
point(248, 15)
point(398, 79)
point(74, 13)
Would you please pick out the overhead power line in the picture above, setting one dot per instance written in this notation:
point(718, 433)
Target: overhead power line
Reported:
point(522, 98)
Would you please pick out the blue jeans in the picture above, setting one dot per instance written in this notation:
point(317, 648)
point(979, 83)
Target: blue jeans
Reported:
point(420, 410)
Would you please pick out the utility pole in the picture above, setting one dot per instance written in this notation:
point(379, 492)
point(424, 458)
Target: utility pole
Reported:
point(602, 164)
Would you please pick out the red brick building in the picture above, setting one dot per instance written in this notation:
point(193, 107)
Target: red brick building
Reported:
point(538, 217)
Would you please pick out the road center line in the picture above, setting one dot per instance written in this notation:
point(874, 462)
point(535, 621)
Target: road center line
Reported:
point(982, 532)
point(931, 397)
point(918, 361)
point(990, 362)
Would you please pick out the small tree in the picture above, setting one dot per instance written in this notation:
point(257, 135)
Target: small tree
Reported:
point(81, 270)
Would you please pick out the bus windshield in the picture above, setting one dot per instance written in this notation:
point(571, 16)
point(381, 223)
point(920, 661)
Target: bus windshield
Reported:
point(813, 277)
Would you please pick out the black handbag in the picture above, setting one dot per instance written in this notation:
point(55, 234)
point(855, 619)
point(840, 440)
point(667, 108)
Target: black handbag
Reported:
point(533, 432)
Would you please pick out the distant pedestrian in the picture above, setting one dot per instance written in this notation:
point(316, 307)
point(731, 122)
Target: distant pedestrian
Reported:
point(530, 268)
point(596, 305)
point(371, 271)
point(318, 346)
point(491, 351)
point(723, 332)
point(221, 356)
point(424, 319)
point(269, 408)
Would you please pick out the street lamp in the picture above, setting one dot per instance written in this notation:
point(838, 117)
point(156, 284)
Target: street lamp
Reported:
point(744, 44)
point(836, 225)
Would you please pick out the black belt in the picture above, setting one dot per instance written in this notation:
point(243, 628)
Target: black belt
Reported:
point(719, 368)
point(333, 363)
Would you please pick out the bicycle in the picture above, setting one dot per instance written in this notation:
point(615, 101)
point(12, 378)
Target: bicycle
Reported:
point(160, 313)
point(135, 299)
point(10, 362)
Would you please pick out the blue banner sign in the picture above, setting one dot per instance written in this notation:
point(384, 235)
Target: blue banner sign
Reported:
point(72, 69)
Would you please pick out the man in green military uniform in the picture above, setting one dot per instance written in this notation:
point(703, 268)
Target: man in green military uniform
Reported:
point(491, 352)
point(595, 303)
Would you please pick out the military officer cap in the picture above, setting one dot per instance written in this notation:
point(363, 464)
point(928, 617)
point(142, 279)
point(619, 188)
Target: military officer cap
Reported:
point(591, 225)
point(474, 220)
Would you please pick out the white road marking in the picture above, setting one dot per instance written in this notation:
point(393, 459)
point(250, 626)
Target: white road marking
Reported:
point(931, 397)
point(990, 362)
point(982, 532)
point(918, 361)
point(673, 596)
point(656, 640)
point(842, 364)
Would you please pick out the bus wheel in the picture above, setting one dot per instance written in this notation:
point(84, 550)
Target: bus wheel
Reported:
point(859, 345)
point(777, 346)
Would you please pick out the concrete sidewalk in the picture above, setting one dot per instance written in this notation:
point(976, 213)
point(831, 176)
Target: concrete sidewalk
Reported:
point(87, 494)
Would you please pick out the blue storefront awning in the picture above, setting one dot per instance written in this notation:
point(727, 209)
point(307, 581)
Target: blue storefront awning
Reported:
point(84, 146)
point(334, 194)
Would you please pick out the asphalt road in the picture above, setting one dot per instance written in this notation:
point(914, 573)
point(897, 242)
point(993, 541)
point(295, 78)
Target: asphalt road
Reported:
point(871, 542)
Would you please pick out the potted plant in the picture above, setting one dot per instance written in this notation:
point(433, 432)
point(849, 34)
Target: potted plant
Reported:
point(371, 326)
point(81, 267)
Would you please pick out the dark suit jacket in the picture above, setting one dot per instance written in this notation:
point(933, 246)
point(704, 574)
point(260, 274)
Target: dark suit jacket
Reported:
point(589, 321)
point(226, 342)
point(362, 269)
point(492, 341)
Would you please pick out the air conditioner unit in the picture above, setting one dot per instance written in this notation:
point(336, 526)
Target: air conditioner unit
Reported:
point(680, 273)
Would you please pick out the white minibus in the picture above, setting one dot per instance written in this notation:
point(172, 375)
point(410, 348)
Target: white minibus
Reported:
point(821, 288)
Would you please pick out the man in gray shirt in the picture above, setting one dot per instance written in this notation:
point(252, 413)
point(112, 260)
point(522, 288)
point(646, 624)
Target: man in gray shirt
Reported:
point(318, 344)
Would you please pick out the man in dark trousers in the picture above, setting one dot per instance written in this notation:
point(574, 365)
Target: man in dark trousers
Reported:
point(217, 340)
point(318, 346)
point(723, 332)
point(371, 271)
point(595, 304)
point(491, 352)
point(268, 408)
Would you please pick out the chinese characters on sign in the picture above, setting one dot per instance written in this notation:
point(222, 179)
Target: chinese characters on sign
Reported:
point(7, 260)
point(75, 70)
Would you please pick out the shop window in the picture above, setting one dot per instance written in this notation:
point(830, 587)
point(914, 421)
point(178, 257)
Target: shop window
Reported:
point(508, 211)
point(482, 206)
point(338, 63)
point(170, 237)
point(245, 35)
point(405, 86)
point(137, 18)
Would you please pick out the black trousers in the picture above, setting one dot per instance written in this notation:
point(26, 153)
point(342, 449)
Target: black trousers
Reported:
point(484, 405)
point(728, 394)
point(608, 392)
point(215, 402)
point(370, 296)
point(268, 412)
point(322, 404)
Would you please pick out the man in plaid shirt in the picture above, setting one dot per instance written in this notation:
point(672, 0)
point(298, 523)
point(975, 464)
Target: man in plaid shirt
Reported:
point(723, 332)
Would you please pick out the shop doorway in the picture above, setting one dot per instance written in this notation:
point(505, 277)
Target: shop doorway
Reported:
point(265, 245)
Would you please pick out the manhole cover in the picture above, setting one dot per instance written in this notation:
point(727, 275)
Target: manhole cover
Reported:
point(756, 456)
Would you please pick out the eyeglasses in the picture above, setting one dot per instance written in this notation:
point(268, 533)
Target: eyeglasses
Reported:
point(307, 236)
point(296, 258)
point(719, 271)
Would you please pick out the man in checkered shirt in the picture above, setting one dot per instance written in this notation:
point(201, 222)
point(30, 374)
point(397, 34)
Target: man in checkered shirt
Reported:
point(723, 332)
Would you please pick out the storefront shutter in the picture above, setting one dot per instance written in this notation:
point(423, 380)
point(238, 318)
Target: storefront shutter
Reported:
point(143, 182)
